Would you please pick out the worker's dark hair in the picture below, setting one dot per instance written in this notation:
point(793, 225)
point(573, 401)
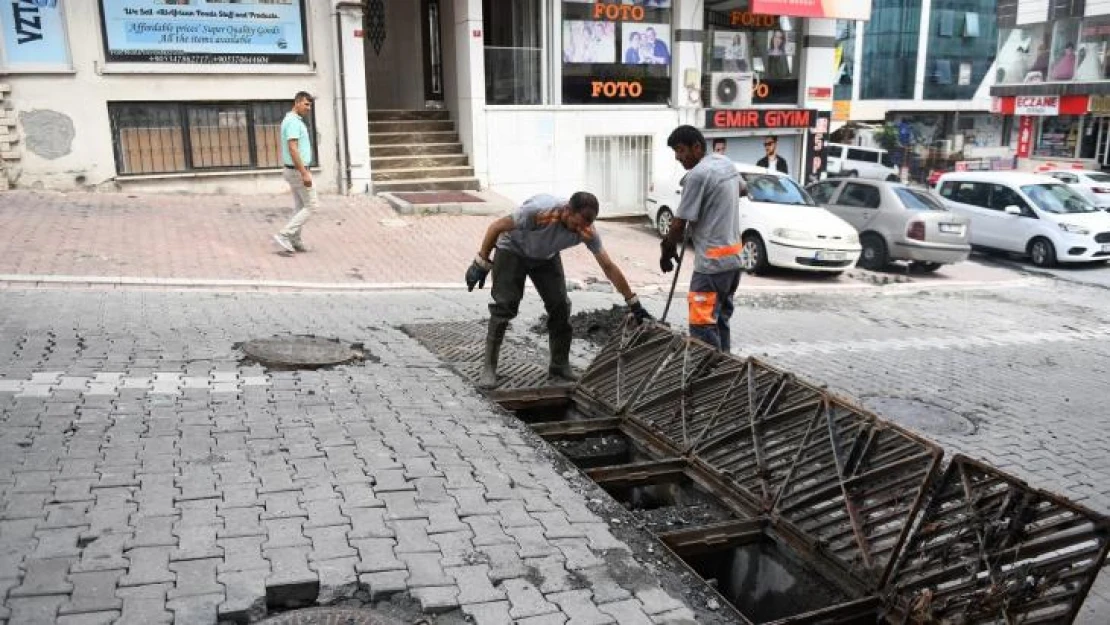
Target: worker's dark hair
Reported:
point(583, 201)
point(772, 138)
point(303, 95)
point(687, 136)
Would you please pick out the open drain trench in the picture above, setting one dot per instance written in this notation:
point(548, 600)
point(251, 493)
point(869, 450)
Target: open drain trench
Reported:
point(794, 505)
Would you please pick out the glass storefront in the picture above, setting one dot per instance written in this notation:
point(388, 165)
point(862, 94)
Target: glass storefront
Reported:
point(1067, 50)
point(890, 50)
point(962, 41)
point(1058, 136)
point(767, 47)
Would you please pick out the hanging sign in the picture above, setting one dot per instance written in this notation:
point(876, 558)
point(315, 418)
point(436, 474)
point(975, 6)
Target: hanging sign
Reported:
point(1041, 105)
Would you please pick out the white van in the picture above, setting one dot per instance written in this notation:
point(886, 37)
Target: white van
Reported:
point(855, 161)
point(1028, 214)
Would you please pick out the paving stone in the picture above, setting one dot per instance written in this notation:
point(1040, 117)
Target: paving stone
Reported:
point(526, 599)
point(198, 542)
point(283, 505)
point(239, 522)
point(242, 554)
point(401, 506)
point(657, 601)
point(472, 502)
point(283, 533)
point(245, 596)
point(425, 569)
point(412, 537)
point(577, 604)
point(91, 618)
point(330, 543)
point(600, 538)
point(493, 613)
point(338, 579)
point(153, 531)
point(369, 523)
point(487, 531)
point(628, 612)
point(443, 518)
point(376, 555)
point(291, 582)
point(457, 548)
point(148, 565)
point(513, 514)
point(546, 619)
point(67, 516)
point(505, 562)
point(474, 584)
point(45, 577)
point(195, 577)
point(383, 584)
point(532, 542)
point(604, 587)
point(553, 571)
point(681, 616)
point(356, 491)
point(34, 610)
point(578, 553)
point(436, 599)
point(93, 592)
point(390, 480)
point(198, 609)
point(325, 513)
point(59, 543)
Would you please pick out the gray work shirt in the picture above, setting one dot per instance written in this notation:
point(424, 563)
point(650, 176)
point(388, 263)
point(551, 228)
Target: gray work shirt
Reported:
point(711, 205)
point(539, 232)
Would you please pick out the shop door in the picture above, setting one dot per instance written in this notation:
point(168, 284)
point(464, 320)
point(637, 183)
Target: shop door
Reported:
point(1102, 149)
point(433, 52)
point(618, 171)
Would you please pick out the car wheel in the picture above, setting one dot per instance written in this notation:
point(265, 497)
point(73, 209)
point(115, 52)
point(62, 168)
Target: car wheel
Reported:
point(1042, 252)
point(893, 178)
point(753, 258)
point(924, 267)
point(874, 254)
point(663, 221)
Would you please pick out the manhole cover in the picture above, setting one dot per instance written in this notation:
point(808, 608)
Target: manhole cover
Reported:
point(921, 416)
point(330, 616)
point(301, 352)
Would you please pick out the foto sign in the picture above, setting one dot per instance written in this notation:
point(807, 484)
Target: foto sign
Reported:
point(1040, 105)
point(837, 9)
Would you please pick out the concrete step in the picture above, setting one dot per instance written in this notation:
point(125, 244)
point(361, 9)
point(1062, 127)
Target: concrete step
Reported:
point(387, 163)
point(420, 173)
point(416, 149)
point(395, 138)
point(398, 114)
point(422, 125)
point(428, 184)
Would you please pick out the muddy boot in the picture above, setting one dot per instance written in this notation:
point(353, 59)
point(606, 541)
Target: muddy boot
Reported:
point(494, 336)
point(559, 345)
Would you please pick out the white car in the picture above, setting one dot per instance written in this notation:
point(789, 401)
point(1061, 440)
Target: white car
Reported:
point(1029, 214)
point(780, 224)
point(854, 161)
point(1094, 185)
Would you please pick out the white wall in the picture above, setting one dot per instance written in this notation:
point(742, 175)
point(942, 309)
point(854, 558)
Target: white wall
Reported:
point(395, 77)
point(82, 96)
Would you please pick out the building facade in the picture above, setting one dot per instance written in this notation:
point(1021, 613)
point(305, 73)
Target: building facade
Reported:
point(518, 97)
point(1053, 81)
point(925, 63)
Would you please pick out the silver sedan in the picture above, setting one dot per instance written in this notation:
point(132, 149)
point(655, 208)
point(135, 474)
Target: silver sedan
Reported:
point(896, 222)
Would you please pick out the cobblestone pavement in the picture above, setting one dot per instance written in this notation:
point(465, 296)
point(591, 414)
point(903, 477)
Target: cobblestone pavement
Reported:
point(146, 472)
point(354, 242)
point(1091, 274)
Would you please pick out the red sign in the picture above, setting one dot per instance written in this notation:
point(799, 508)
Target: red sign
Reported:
point(840, 9)
point(1045, 105)
point(760, 118)
point(1025, 137)
point(819, 93)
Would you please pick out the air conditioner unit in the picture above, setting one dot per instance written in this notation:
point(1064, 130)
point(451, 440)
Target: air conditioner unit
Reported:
point(730, 90)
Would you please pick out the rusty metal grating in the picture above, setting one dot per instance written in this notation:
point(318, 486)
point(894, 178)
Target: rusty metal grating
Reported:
point(461, 344)
point(624, 365)
point(991, 549)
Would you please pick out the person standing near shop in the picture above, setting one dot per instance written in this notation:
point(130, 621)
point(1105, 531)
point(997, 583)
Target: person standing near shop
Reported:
point(296, 154)
point(708, 216)
point(529, 242)
point(772, 160)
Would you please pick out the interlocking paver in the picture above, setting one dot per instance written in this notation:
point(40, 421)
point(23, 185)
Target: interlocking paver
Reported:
point(412, 537)
point(148, 565)
point(493, 613)
point(578, 605)
point(338, 579)
point(526, 599)
point(198, 609)
point(45, 577)
point(474, 584)
point(195, 577)
point(425, 569)
point(244, 596)
point(383, 584)
point(93, 592)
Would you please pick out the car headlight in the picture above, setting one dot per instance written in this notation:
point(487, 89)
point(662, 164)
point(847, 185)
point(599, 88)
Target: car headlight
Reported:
point(852, 239)
point(1074, 229)
point(791, 234)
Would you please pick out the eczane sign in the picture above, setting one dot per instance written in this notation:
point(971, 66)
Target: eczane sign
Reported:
point(1041, 105)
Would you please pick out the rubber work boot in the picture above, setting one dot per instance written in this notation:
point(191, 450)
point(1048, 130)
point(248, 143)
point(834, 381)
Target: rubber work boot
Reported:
point(494, 336)
point(559, 346)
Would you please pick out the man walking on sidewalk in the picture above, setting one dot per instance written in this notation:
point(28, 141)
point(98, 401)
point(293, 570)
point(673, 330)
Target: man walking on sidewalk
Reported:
point(528, 245)
point(296, 154)
point(709, 212)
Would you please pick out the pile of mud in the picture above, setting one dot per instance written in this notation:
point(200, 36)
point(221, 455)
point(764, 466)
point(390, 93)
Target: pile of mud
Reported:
point(595, 326)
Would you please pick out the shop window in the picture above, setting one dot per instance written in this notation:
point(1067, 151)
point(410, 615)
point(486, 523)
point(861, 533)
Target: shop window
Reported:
point(844, 57)
point(764, 46)
point(159, 138)
point(1094, 46)
point(618, 170)
point(971, 25)
point(1058, 138)
point(614, 53)
point(33, 37)
point(1023, 54)
point(514, 48)
point(1065, 58)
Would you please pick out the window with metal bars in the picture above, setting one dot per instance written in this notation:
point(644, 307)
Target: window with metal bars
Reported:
point(173, 137)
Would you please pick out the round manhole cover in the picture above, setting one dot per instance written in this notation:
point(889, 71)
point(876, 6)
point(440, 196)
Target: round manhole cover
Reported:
point(330, 616)
point(921, 416)
point(300, 351)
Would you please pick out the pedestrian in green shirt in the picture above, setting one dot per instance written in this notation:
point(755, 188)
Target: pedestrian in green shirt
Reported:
point(296, 154)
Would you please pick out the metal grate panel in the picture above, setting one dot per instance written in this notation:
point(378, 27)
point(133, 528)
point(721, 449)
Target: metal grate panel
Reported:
point(461, 344)
point(991, 549)
point(620, 370)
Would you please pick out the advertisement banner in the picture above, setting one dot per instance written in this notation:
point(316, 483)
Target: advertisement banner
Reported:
point(815, 148)
point(839, 9)
point(1037, 105)
point(33, 34)
point(204, 31)
point(1025, 137)
point(760, 118)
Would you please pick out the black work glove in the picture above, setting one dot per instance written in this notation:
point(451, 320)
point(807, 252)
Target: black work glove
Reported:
point(637, 310)
point(668, 254)
point(477, 273)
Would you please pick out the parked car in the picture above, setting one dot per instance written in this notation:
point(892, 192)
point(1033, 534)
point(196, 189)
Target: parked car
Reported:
point(896, 222)
point(1029, 214)
point(780, 224)
point(1094, 185)
point(855, 161)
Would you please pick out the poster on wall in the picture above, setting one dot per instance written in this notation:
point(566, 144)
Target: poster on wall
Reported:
point(646, 45)
point(250, 32)
point(815, 164)
point(731, 51)
point(34, 35)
